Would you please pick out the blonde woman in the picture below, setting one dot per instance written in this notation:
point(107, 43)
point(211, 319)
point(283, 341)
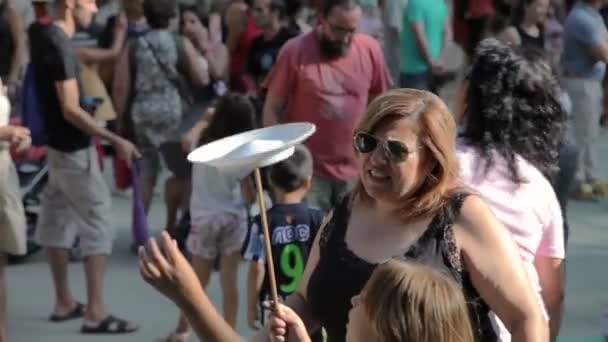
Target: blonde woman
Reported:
point(410, 203)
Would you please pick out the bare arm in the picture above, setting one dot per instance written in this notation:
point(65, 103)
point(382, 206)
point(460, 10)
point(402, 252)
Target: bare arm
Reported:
point(298, 300)
point(169, 272)
point(421, 42)
point(89, 55)
point(190, 139)
point(6, 133)
point(92, 55)
point(236, 16)
point(121, 85)
point(248, 191)
point(492, 259)
point(272, 110)
point(250, 84)
point(208, 43)
point(600, 51)
point(198, 75)
point(551, 275)
point(208, 324)
point(19, 39)
point(11, 133)
point(219, 60)
point(594, 39)
point(68, 94)
point(19, 137)
point(96, 55)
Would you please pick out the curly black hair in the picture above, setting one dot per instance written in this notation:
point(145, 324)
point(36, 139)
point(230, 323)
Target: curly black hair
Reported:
point(512, 107)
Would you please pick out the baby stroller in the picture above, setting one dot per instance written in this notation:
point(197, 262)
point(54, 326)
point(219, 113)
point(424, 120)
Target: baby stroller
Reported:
point(33, 174)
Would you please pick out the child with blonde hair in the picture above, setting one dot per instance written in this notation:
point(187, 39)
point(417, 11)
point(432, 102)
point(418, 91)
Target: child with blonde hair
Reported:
point(401, 302)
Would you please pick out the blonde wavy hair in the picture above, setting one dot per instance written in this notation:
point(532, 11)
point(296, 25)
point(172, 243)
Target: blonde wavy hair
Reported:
point(437, 135)
point(407, 302)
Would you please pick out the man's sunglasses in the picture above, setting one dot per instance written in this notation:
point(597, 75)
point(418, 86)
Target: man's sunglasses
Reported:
point(395, 150)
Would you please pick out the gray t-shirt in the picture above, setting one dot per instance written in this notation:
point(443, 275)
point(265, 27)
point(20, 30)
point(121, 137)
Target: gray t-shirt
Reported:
point(584, 29)
point(392, 17)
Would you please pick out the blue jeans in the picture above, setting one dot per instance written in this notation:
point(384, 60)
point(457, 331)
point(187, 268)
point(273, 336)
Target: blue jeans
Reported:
point(564, 181)
point(421, 81)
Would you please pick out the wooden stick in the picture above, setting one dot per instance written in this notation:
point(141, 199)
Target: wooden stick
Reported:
point(267, 237)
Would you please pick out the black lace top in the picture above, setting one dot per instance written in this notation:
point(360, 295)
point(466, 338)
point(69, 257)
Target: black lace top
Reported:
point(340, 274)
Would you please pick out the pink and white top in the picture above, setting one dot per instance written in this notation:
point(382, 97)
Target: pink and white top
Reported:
point(530, 210)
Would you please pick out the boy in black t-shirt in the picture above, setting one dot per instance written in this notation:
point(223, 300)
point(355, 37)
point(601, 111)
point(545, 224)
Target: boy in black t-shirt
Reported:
point(293, 227)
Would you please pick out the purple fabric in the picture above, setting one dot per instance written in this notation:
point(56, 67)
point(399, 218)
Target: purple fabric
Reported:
point(141, 233)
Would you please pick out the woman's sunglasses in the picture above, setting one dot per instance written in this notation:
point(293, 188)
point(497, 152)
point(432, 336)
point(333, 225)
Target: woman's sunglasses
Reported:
point(395, 151)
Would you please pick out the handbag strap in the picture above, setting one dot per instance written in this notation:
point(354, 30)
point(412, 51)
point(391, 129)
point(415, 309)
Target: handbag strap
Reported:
point(163, 67)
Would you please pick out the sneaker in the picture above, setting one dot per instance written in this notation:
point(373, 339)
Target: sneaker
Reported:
point(584, 192)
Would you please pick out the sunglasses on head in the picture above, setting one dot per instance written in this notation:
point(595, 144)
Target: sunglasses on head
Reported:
point(395, 150)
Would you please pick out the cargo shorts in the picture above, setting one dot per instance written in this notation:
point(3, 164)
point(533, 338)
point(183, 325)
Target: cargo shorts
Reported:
point(76, 203)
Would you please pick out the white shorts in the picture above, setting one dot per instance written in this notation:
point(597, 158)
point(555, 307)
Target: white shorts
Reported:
point(221, 234)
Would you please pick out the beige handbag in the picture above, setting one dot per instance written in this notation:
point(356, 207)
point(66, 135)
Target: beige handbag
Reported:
point(92, 85)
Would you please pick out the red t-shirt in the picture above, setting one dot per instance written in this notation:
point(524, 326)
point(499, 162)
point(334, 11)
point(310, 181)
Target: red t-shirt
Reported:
point(332, 94)
point(238, 59)
point(480, 8)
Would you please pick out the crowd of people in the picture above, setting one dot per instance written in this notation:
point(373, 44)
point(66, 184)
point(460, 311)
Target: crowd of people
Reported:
point(386, 225)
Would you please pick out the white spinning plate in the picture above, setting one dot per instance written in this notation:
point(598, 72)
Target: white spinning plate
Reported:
point(253, 149)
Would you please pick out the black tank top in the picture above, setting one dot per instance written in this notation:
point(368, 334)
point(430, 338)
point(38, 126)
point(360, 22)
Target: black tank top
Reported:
point(531, 41)
point(340, 274)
